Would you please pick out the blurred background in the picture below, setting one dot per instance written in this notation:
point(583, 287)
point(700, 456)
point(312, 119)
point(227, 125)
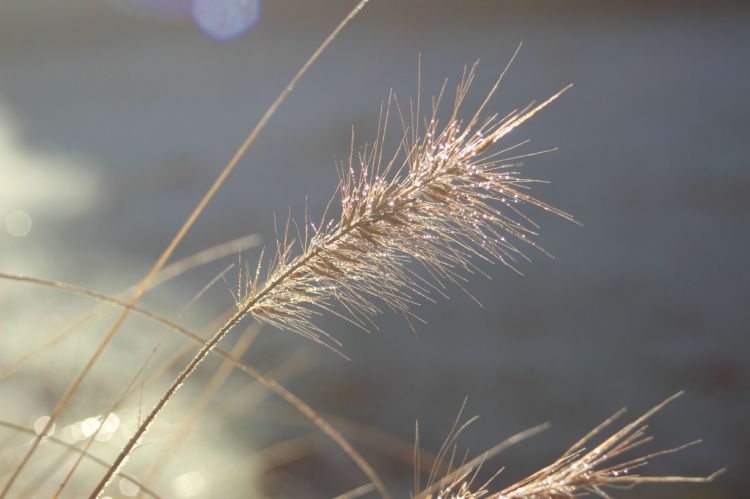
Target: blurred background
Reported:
point(115, 117)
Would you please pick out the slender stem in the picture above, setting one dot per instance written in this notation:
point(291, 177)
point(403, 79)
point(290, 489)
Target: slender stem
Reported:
point(219, 378)
point(203, 353)
point(176, 384)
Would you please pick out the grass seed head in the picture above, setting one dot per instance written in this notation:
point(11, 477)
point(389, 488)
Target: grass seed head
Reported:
point(444, 199)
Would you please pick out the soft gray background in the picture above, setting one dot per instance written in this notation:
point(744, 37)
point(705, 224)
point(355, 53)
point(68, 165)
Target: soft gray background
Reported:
point(647, 298)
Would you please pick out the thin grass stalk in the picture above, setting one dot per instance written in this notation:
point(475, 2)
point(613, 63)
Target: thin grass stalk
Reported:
point(120, 399)
point(197, 410)
point(35, 483)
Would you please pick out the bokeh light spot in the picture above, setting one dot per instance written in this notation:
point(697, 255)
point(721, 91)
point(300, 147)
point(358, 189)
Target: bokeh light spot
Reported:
point(225, 19)
point(189, 484)
point(40, 423)
point(76, 432)
point(128, 488)
point(89, 426)
point(18, 223)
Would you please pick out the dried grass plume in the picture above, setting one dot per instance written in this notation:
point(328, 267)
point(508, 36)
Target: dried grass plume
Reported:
point(446, 198)
point(580, 471)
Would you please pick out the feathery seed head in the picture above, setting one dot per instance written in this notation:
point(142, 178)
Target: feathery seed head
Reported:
point(441, 200)
point(578, 472)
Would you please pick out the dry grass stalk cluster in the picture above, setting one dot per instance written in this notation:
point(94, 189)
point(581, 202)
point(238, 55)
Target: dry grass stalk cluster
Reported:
point(449, 196)
point(578, 471)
